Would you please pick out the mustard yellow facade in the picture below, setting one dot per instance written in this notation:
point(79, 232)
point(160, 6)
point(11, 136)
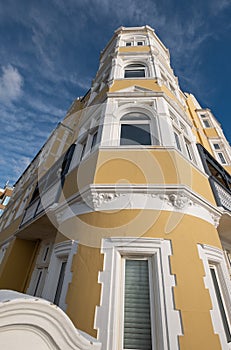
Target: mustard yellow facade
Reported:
point(123, 217)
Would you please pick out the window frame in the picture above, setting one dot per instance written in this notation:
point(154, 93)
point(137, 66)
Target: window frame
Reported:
point(107, 322)
point(212, 256)
point(135, 66)
point(153, 129)
point(62, 252)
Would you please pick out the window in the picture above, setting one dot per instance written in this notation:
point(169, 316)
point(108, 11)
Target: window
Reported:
point(40, 272)
point(59, 273)
point(206, 121)
point(3, 250)
point(216, 146)
point(140, 43)
point(177, 140)
point(217, 281)
point(220, 302)
point(137, 307)
point(189, 150)
point(221, 158)
point(83, 144)
point(135, 129)
point(141, 313)
point(94, 138)
point(134, 71)
point(6, 200)
point(129, 43)
point(60, 283)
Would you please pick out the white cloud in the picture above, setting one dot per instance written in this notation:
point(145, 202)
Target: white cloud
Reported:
point(11, 83)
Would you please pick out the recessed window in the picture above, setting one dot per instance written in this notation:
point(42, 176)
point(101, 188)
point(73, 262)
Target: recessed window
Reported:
point(206, 121)
point(189, 149)
point(140, 43)
point(134, 71)
point(137, 308)
point(60, 282)
point(94, 139)
point(221, 304)
point(216, 146)
point(83, 144)
point(177, 140)
point(221, 157)
point(129, 43)
point(135, 129)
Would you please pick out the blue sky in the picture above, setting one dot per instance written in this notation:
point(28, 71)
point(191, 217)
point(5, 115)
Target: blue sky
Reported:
point(49, 52)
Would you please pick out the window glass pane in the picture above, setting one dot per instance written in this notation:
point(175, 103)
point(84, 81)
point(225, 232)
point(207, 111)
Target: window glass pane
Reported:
point(216, 146)
point(134, 73)
point(177, 139)
point(138, 134)
point(60, 283)
point(129, 43)
point(140, 43)
point(94, 139)
point(206, 123)
point(220, 304)
point(137, 318)
point(135, 116)
point(222, 158)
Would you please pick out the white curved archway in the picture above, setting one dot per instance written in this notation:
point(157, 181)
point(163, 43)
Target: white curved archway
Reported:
point(28, 322)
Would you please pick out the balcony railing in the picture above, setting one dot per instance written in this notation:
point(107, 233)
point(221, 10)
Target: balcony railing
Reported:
point(48, 189)
point(219, 178)
point(41, 203)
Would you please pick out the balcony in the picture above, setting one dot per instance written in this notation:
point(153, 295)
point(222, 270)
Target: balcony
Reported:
point(48, 188)
point(219, 178)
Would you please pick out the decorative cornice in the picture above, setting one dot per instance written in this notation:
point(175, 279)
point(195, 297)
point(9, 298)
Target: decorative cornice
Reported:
point(147, 197)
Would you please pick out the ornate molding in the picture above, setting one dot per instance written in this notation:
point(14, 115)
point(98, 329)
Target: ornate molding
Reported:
point(96, 199)
point(169, 198)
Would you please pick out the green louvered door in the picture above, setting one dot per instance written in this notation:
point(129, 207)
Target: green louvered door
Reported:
point(137, 318)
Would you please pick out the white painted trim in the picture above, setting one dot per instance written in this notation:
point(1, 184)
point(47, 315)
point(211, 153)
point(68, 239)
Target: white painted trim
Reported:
point(213, 255)
point(108, 314)
point(179, 199)
point(63, 251)
point(3, 250)
point(22, 312)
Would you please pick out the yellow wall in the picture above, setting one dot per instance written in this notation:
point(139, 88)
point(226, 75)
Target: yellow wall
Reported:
point(150, 166)
point(84, 291)
point(17, 263)
point(184, 231)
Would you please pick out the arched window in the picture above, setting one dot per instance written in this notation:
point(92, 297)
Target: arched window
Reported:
point(135, 70)
point(135, 129)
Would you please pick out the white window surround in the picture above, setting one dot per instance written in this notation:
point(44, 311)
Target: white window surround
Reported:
point(39, 274)
point(214, 256)
point(115, 132)
point(3, 250)
point(134, 68)
point(109, 325)
point(62, 252)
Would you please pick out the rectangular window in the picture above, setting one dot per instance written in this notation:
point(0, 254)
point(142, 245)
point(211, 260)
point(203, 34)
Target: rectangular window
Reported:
point(221, 158)
point(129, 43)
point(177, 140)
point(221, 305)
point(134, 73)
point(138, 134)
point(137, 316)
point(206, 123)
point(94, 139)
point(216, 146)
point(84, 144)
point(140, 43)
point(189, 149)
point(60, 282)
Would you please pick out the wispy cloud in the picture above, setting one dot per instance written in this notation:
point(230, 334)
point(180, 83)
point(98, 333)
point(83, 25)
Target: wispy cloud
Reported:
point(11, 83)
